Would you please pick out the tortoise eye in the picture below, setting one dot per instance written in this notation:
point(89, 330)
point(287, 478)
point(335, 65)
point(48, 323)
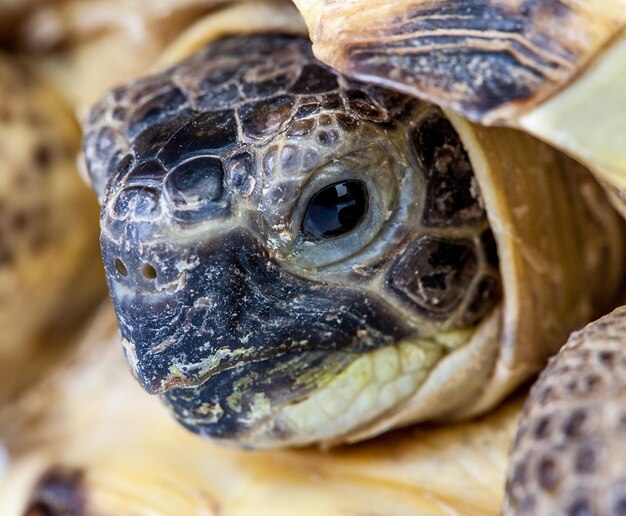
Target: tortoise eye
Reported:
point(335, 210)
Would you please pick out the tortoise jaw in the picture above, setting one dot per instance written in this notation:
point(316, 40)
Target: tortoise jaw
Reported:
point(191, 375)
point(233, 307)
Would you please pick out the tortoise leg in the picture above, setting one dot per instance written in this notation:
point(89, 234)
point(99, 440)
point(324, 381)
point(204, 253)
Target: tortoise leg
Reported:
point(569, 455)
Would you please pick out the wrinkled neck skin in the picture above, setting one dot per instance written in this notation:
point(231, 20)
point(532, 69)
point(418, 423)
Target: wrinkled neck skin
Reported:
point(254, 329)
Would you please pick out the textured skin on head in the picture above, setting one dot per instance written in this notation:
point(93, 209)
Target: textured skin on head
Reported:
point(236, 90)
point(205, 172)
point(485, 59)
point(570, 450)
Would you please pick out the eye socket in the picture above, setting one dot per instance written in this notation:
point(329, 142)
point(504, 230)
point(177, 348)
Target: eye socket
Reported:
point(335, 210)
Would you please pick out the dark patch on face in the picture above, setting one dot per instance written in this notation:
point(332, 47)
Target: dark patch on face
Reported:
point(347, 123)
point(263, 88)
point(219, 76)
point(212, 132)
point(139, 202)
point(452, 197)
point(152, 139)
point(301, 128)
point(331, 102)
point(327, 138)
point(266, 117)
point(221, 97)
point(146, 172)
point(197, 180)
point(237, 298)
point(156, 110)
point(241, 170)
point(314, 79)
point(392, 101)
point(149, 88)
point(60, 492)
point(307, 110)
point(434, 275)
point(197, 189)
point(362, 107)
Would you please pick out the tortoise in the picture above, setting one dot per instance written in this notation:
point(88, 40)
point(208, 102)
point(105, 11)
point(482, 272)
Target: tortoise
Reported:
point(275, 236)
point(501, 181)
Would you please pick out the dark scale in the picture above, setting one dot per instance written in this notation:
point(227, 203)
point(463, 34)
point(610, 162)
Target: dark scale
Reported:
point(207, 133)
point(452, 197)
point(315, 79)
point(265, 117)
point(156, 109)
point(434, 275)
point(196, 187)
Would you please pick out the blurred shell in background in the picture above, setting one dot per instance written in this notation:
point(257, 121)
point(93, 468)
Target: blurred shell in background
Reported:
point(50, 271)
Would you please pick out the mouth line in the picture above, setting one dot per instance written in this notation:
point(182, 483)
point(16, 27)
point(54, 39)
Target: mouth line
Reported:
point(179, 379)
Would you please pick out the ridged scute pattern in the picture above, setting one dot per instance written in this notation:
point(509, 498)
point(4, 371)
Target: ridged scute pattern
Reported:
point(489, 60)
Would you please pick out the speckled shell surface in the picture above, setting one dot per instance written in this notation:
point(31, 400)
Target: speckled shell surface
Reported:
point(569, 453)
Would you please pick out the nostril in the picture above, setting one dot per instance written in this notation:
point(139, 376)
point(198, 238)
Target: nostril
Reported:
point(120, 267)
point(148, 271)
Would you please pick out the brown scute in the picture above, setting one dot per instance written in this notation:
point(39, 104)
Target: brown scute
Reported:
point(483, 58)
point(571, 430)
point(60, 492)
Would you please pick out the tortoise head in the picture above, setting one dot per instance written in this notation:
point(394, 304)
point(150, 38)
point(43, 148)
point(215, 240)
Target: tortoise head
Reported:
point(290, 253)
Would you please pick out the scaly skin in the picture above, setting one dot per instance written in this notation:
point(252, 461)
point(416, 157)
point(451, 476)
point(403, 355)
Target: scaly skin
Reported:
point(227, 308)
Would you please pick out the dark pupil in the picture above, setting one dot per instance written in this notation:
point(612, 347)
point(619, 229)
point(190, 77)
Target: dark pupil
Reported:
point(335, 210)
